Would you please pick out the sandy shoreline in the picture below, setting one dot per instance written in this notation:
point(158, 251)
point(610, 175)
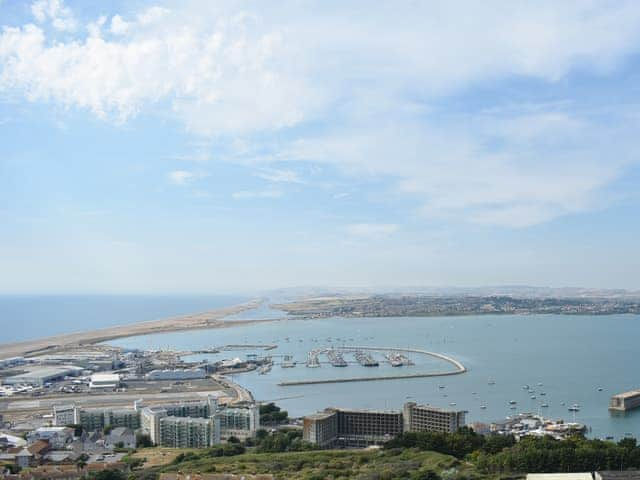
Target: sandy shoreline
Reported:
point(204, 320)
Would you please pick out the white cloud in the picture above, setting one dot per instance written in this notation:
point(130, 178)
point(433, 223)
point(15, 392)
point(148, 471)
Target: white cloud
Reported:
point(279, 176)
point(371, 230)
point(61, 16)
point(249, 194)
point(118, 25)
point(183, 177)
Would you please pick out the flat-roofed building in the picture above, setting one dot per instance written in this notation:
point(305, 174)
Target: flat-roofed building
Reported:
point(321, 428)
point(360, 428)
point(188, 432)
point(41, 375)
point(424, 418)
point(177, 374)
point(240, 421)
point(98, 418)
point(625, 401)
point(105, 381)
point(63, 415)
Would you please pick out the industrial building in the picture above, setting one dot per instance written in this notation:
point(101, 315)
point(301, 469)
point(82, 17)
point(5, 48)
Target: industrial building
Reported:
point(177, 374)
point(423, 418)
point(104, 381)
point(188, 432)
point(39, 376)
point(12, 362)
point(625, 401)
point(360, 428)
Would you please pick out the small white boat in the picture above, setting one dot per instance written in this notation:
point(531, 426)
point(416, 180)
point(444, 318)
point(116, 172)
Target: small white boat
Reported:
point(483, 407)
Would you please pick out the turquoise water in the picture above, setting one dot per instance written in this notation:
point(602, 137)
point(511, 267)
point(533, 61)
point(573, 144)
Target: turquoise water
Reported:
point(34, 316)
point(570, 355)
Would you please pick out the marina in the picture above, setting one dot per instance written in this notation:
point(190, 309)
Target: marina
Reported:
point(482, 344)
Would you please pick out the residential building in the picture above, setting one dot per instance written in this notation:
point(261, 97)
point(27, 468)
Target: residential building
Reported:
point(98, 418)
point(424, 418)
point(321, 428)
point(63, 415)
point(188, 432)
point(240, 421)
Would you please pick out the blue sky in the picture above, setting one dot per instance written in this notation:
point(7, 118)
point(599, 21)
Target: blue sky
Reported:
point(200, 146)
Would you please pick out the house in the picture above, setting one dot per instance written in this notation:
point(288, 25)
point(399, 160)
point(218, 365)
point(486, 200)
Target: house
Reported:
point(121, 437)
point(24, 458)
point(89, 443)
point(58, 437)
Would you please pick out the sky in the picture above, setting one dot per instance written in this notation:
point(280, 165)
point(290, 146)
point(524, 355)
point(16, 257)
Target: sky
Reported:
point(201, 146)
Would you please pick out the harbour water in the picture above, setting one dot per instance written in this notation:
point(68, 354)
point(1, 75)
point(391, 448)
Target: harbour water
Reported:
point(35, 316)
point(568, 358)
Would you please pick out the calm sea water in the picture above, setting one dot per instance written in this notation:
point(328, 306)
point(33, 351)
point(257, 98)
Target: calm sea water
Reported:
point(571, 356)
point(37, 316)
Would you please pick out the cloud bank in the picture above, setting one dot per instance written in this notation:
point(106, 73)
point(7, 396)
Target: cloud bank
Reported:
point(369, 91)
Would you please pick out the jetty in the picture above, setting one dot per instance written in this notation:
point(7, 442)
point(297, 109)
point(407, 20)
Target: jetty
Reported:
point(459, 368)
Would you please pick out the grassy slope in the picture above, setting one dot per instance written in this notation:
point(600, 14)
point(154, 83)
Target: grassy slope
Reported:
point(332, 464)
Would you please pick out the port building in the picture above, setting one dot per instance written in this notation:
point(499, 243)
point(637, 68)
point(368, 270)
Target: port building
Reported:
point(105, 381)
point(39, 376)
point(176, 374)
point(625, 401)
point(423, 418)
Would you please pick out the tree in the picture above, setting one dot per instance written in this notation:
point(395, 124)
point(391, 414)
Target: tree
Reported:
point(108, 475)
point(143, 440)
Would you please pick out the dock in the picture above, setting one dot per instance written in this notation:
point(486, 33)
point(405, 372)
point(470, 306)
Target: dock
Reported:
point(625, 401)
point(459, 368)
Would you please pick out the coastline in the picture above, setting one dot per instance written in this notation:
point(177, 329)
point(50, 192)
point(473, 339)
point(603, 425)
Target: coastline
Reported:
point(197, 321)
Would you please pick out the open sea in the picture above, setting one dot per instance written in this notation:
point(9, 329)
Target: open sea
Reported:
point(25, 317)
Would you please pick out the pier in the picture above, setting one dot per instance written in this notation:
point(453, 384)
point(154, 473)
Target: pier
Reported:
point(459, 368)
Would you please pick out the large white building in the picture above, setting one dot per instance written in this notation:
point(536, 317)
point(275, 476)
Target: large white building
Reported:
point(104, 381)
point(188, 432)
point(240, 421)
